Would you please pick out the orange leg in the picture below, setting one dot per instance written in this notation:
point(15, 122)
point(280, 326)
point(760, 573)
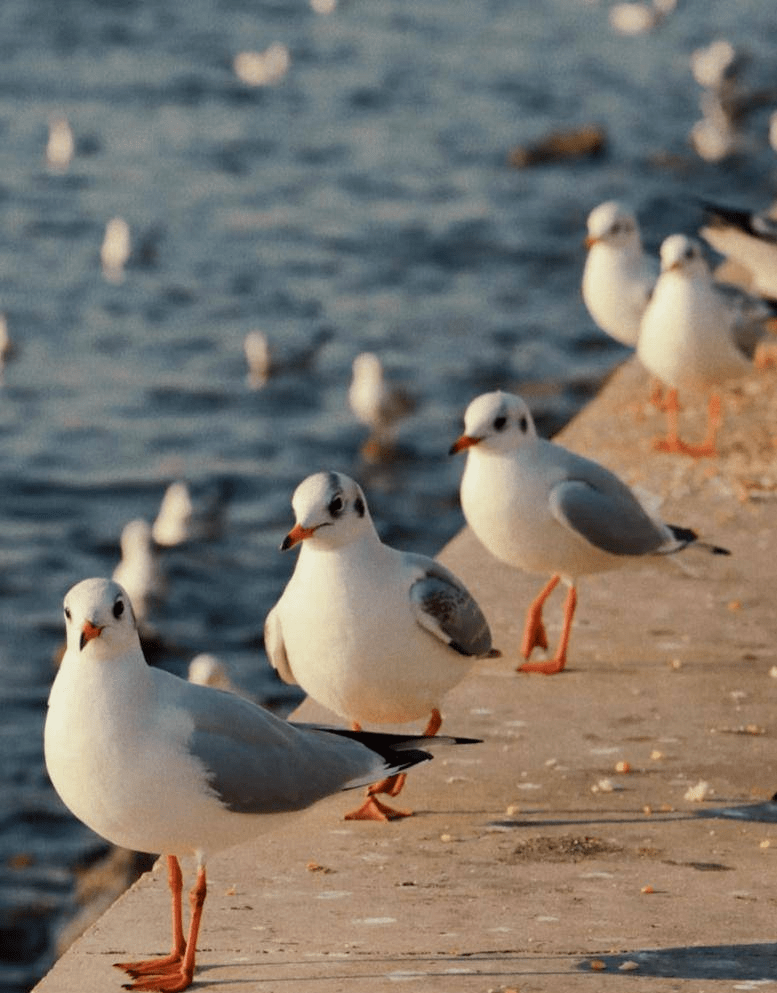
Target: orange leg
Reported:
point(156, 966)
point(557, 663)
point(656, 397)
point(673, 443)
point(534, 635)
point(373, 809)
point(162, 975)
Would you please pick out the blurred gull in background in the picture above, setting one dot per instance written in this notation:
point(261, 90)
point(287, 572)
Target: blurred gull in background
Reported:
point(379, 404)
point(115, 250)
point(139, 571)
point(61, 145)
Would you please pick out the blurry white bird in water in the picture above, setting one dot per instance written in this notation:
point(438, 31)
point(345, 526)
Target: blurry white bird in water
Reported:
point(6, 345)
point(139, 571)
point(629, 18)
point(263, 68)
point(60, 146)
point(265, 358)
point(115, 250)
point(379, 404)
point(207, 670)
point(257, 353)
point(173, 522)
point(323, 6)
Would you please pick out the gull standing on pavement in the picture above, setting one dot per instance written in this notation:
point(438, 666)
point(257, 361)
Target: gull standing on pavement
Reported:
point(155, 764)
point(541, 508)
point(619, 275)
point(372, 633)
point(749, 239)
point(687, 339)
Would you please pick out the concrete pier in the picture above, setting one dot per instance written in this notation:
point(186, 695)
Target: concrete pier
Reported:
point(615, 822)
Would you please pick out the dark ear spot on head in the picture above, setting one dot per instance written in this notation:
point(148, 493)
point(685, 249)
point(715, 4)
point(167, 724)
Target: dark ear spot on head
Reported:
point(359, 506)
point(523, 424)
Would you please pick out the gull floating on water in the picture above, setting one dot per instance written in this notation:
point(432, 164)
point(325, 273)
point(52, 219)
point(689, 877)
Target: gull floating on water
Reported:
point(139, 571)
point(372, 633)
point(60, 145)
point(115, 250)
point(156, 764)
point(687, 339)
point(378, 403)
point(541, 508)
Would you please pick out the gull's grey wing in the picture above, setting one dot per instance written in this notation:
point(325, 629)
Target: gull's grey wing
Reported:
point(255, 762)
point(611, 519)
point(444, 607)
point(275, 646)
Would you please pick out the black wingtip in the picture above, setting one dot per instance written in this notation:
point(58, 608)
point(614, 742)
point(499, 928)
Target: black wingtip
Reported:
point(717, 550)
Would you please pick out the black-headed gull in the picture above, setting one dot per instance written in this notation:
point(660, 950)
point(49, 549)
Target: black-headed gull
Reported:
point(619, 275)
point(374, 634)
point(687, 339)
point(378, 403)
point(750, 239)
point(541, 508)
point(155, 764)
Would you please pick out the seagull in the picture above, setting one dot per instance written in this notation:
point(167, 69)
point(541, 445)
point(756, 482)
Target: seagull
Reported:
point(687, 339)
point(749, 239)
point(619, 275)
point(60, 145)
point(156, 764)
point(539, 507)
point(139, 570)
point(372, 633)
point(115, 249)
point(378, 403)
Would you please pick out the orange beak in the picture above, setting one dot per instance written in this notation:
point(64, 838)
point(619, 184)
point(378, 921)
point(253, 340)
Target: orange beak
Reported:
point(590, 241)
point(465, 441)
point(295, 536)
point(89, 632)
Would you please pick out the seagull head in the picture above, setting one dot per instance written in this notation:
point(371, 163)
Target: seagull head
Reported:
point(330, 510)
point(612, 223)
point(99, 618)
point(682, 254)
point(497, 422)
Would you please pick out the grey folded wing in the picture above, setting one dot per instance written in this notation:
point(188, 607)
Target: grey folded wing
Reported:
point(257, 763)
point(444, 607)
point(612, 520)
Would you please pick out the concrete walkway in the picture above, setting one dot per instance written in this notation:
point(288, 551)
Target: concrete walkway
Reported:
point(531, 863)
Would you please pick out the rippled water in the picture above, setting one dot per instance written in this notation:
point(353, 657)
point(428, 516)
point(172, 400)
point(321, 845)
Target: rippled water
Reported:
point(365, 198)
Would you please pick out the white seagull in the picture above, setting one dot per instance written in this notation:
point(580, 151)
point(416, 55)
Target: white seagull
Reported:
point(139, 571)
point(541, 508)
point(619, 275)
point(155, 764)
point(687, 339)
point(378, 403)
point(374, 634)
point(749, 239)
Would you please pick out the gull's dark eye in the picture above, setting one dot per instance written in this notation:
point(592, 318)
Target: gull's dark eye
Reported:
point(336, 505)
point(499, 423)
point(68, 615)
point(523, 424)
point(118, 609)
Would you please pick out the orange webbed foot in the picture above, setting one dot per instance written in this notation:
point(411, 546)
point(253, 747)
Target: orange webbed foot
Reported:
point(373, 810)
point(152, 967)
point(549, 668)
point(172, 982)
